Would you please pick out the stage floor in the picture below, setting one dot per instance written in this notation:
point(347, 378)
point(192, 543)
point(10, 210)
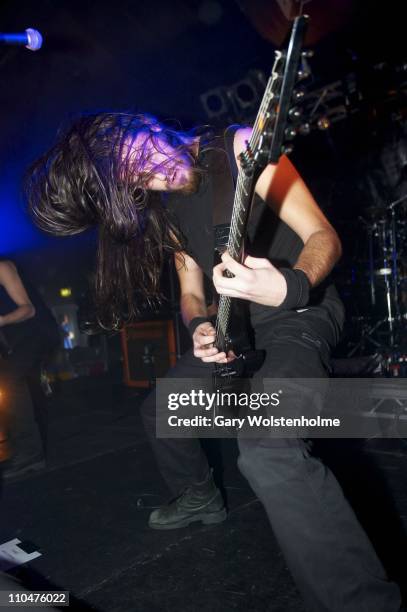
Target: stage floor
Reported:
point(87, 512)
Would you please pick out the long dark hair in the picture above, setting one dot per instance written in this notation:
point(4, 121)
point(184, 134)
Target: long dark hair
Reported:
point(88, 178)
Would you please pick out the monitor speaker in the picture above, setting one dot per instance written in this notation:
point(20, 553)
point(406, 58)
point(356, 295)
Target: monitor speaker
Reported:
point(149, 351)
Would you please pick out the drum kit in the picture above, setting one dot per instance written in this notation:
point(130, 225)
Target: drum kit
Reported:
point(379, 277)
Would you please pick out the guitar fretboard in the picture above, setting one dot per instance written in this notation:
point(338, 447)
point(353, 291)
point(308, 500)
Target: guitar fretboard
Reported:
point(250, 167)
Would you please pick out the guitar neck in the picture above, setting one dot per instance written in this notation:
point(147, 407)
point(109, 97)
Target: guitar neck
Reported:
point(245, 186)
point(265, 146)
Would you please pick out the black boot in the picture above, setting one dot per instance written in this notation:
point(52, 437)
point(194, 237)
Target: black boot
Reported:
point(202, 501)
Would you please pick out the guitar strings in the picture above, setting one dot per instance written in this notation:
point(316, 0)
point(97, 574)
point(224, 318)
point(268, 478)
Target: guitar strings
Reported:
point(237, 221)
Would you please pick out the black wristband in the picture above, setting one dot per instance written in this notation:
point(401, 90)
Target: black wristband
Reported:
point(193, 324)
point(298, 288)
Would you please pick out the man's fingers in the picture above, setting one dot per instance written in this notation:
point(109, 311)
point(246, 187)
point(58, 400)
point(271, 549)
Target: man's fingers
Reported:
point(234, 287)
point(210, 333)
point(256, 262)
point(205, 329)
point(202, 351)
point(214, 356)
point(218, 358)
point(204, 341)
point(233, 266)
point(211, 358)
point(204, 335)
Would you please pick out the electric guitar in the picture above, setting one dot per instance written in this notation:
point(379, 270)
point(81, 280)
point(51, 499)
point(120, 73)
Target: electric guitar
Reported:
point(276, 124)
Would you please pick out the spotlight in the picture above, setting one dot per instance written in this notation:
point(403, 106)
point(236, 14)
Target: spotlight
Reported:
point(65, 292)
point(323, 123)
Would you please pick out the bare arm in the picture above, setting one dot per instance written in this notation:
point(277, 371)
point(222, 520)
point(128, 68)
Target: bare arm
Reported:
point(12, 283)
point(193, 304)
point(285, 192)
point(192, 290)
point(319, 255)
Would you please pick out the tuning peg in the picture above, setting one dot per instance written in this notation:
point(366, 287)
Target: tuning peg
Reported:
point(287, 149)
point(290, 133)
point(295, 113)
point(298, 95)
point(303, 73)
point(307, 53)
point(304, 129)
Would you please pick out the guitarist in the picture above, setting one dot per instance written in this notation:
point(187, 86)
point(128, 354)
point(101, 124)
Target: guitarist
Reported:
point(109, 170)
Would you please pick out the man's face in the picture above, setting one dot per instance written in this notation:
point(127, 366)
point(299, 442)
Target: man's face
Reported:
point(166, 168)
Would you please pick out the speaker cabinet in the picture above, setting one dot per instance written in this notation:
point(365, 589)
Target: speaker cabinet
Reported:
point(148, 351)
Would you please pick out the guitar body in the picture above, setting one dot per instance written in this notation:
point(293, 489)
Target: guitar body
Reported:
point(240, 337)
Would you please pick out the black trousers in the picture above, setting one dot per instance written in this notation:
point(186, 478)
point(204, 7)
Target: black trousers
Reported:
point(329, 555)
point(27, 405)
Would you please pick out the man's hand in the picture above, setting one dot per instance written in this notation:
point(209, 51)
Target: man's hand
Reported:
point(1, 321)
point(203, 339)
point(256, 280)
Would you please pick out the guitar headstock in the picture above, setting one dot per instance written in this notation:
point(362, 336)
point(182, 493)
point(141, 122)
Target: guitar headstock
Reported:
point(279, 118)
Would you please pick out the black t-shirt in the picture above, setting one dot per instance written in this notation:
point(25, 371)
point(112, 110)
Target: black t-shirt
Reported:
point(269, 236)
point(194, 213)
point(40, 328)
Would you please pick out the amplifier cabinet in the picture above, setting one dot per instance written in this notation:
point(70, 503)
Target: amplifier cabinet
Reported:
point(149, 351)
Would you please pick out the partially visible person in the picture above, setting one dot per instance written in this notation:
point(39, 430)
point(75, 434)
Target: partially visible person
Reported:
point(67, 332)
point(30, 335)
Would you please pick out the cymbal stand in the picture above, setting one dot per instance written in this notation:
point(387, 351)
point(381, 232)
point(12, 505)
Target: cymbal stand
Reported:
point(387, 233)
point(387, 274)
point(393, 235)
